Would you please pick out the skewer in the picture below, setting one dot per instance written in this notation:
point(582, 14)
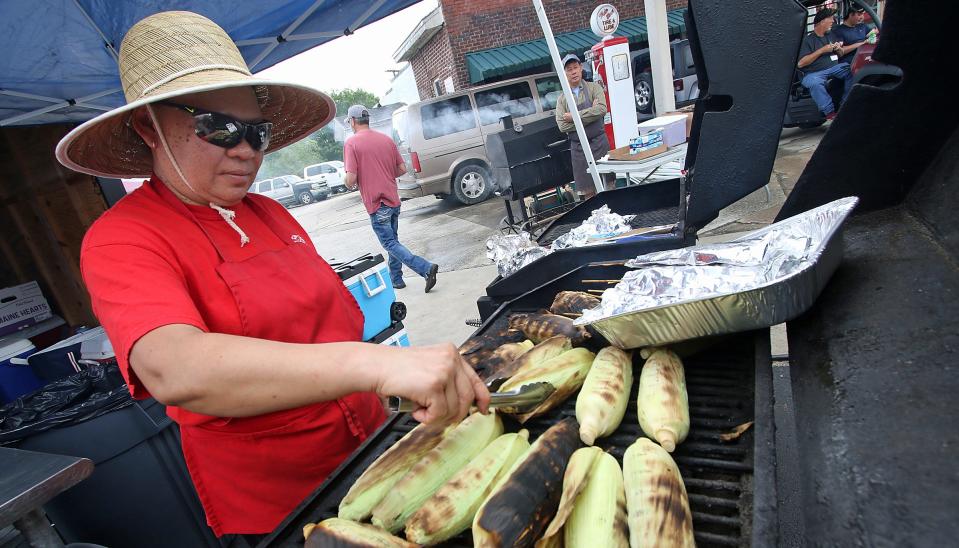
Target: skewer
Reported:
point(601, 281)
point(596, 291)
point(571, 314)
point(611, 263)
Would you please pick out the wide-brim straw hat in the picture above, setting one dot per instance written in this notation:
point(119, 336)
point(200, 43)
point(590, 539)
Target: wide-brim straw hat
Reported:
point(175, 53)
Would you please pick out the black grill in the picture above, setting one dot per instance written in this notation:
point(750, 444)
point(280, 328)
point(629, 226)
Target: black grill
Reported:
point(718, 475)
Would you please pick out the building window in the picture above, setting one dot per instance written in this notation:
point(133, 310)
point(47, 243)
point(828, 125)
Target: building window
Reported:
point(447, 117)
point(514, 99)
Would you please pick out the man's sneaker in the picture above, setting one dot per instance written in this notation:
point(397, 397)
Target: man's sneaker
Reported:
point(399, 285)
point(831, 115)
point(431, 277)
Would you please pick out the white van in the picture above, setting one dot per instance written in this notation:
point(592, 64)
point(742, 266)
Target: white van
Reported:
point(445, 137)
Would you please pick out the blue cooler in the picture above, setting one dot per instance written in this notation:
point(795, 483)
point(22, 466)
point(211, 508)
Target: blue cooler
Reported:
point(368, 279)
point(16, 377)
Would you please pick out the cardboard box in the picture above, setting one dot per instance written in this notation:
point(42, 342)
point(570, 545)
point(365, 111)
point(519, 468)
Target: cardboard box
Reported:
point(623, 153)
point(674, 128)
point(22, 306)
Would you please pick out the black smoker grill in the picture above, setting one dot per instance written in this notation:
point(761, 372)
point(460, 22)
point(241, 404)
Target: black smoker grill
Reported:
point(854, 443)
point(745, 56)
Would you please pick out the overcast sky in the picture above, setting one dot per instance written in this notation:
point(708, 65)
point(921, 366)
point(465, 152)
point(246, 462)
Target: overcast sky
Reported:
point(356, 61)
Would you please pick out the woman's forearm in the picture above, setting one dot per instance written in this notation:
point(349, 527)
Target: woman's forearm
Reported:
point(231, 376)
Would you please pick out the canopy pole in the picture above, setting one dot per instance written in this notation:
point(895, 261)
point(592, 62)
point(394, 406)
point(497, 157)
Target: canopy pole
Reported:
point(659, 56)
point(288, 31)
point(109, 45)
point(568, 93)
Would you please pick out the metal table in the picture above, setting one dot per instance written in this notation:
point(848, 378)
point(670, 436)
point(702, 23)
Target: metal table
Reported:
point(28, 481)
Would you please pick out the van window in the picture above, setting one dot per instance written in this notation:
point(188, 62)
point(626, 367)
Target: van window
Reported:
point(447, 117)
point(549, 91)
point(515, 99)
point(401, 126)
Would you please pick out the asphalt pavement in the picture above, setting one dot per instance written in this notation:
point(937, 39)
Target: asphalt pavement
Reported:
point(454, 237)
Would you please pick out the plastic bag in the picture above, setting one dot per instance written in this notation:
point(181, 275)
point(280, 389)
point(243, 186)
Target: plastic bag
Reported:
point(95, 391)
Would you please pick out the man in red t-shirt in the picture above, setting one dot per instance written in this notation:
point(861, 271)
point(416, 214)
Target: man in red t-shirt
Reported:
point(373, 162)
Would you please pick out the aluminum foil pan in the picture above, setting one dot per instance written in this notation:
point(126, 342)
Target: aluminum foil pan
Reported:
point(762, 279)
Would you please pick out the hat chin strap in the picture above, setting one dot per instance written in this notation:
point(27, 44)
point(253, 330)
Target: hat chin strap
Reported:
point(228, 215)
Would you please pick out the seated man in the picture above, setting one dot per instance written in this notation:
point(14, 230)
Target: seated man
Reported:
point(852, 33)
point(819, 61)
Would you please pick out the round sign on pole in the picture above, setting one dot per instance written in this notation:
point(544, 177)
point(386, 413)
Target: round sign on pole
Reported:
point(605, 20)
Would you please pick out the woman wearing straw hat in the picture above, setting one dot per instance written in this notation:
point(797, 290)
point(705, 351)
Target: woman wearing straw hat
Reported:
point(215, 301)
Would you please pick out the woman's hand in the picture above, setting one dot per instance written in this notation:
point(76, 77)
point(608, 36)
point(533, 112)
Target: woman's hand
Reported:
point(437, 379)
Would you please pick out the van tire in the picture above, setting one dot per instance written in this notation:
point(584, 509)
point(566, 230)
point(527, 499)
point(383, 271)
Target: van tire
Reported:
point(472, 184)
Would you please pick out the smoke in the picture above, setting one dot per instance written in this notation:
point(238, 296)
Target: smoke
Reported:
point(493, 106)
point(447, 117)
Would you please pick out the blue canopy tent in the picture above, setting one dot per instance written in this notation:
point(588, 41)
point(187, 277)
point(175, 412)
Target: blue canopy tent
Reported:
point(59, 57)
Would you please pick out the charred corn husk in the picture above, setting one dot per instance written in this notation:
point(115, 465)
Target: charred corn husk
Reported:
point(656, 500)
point(662, 404)
point(451, 509)
point(477, 349)
point(340, 533)
point(521, 505)
point(539, 327)
point(574, 480)
point(456, 449)
point(565, 372)
point(573, 302)
point(499, 364)
point(388, 469)
point(602, 402)
point(548, 349)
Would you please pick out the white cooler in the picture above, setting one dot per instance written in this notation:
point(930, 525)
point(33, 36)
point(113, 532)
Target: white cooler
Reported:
point(673, 126)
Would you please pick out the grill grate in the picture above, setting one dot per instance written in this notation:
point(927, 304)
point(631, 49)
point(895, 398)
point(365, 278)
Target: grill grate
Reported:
point(718, 475)
point(652, 217)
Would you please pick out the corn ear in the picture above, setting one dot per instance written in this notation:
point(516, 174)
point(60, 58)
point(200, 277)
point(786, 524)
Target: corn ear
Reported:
point(662, 403)
point(599, 515)
point(574, 480)
point(340, 533)
point(451, 509)
point(565, 372)
point(524, 501)
point(388, 469)
point(505, 360)
point(542, 352)
point(656, 500)
point(602, 402)
point(456, 449)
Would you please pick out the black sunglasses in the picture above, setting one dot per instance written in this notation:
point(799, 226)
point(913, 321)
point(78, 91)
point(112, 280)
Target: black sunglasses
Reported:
point(226, 131)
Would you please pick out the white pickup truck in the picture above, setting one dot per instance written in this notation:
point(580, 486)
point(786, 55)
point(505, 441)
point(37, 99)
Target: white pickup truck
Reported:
point(331, 173)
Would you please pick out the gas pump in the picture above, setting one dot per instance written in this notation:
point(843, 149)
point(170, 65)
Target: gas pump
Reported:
point(612, 68)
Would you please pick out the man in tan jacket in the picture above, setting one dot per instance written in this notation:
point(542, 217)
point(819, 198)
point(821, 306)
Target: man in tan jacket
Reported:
point(591, 102)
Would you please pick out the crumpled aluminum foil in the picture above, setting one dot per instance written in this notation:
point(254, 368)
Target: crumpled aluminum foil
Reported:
point(512, 252)
point(602, 223)
point(756, 260)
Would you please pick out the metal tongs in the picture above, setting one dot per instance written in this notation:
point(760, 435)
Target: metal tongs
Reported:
point(525, 398)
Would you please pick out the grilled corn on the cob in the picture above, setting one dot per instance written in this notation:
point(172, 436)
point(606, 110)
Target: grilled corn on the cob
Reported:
point(385, 471)
point(573, 302)
point(656, 498)
point(524, 501)
point(337, 532)
point(539, 327)
point(662, 404)
point(565, 372)
point(602, 402)
point(456, 449)
point(451, 510)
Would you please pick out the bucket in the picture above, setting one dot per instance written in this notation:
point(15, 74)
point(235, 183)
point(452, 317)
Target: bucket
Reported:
point(16, 377)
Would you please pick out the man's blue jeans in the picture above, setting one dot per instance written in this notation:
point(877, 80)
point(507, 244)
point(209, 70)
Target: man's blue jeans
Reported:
point(815, 82)
point(386, 222)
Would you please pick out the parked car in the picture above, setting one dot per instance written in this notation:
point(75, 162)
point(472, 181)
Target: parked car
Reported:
point(685, 82)
point(331, 173)
point(290, 190)
point(445, 137)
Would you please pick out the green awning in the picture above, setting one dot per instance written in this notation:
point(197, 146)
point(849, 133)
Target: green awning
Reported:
point(506, 60)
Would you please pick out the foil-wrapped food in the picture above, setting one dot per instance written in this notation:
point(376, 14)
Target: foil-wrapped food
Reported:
point(511, 252)
point(725, 272)
point(602, 223)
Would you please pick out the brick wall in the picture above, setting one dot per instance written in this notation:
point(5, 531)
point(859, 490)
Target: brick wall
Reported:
point(434, 61)
point(473, 25)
